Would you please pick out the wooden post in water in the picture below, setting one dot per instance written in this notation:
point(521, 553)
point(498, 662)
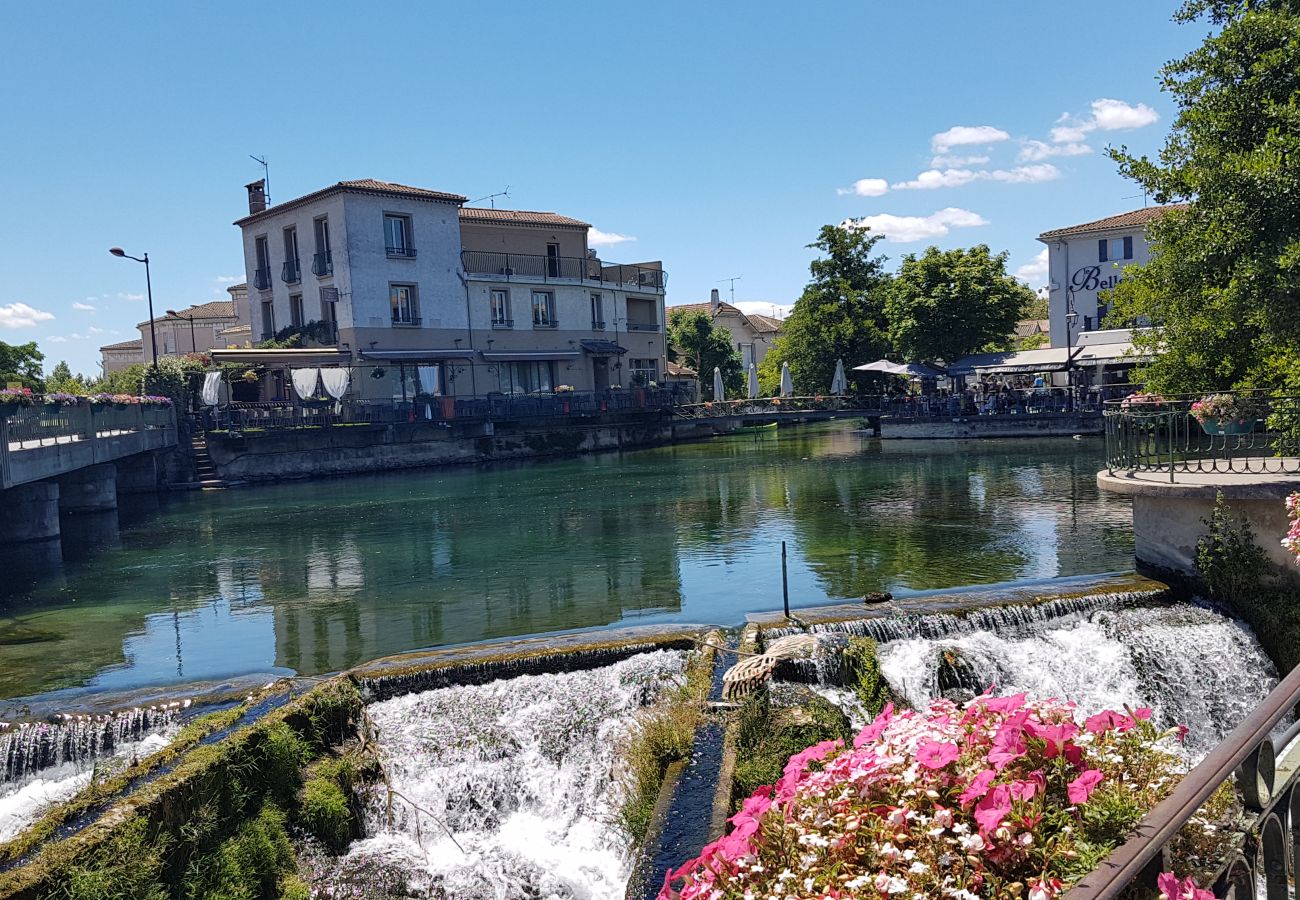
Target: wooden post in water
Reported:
point(785, 584)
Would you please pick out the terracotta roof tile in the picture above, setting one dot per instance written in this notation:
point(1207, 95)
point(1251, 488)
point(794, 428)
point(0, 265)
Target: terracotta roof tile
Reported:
point(764, 323)
point(360, 186)
point(517, 217)
point(723, 306)
point(213, 309)
point(1130, 219)
point(137, 344)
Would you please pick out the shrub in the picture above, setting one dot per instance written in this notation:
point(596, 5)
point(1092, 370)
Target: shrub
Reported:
point(864, 668)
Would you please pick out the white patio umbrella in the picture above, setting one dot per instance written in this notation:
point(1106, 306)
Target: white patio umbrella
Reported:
point(839, 384)
point(753, 381)
point(787, 385)
point(719, 391)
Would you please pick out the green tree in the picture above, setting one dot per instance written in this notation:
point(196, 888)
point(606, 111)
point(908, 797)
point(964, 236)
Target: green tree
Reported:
point(946, 304)
point(839, 315)
point(61, 380)
point(22, 363)
point(696, 341)
point(1223, 282)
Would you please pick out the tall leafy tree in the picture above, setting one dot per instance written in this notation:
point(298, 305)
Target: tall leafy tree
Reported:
point(22, 363)
point(61, 380)
point(946, 304)
point(839, 315)
point(697, 342)
point(1223, 283)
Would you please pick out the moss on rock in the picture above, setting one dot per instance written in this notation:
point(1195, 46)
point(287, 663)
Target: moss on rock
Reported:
point(768, 734)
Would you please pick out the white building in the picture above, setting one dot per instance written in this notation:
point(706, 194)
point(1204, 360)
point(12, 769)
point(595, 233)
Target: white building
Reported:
point(1086, 259)
point(441, 299)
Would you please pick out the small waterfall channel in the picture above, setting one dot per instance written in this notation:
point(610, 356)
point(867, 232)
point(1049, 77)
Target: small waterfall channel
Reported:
point(1192, 664)
point(522, 772)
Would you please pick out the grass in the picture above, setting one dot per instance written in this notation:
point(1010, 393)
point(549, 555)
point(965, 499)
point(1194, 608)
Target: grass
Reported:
point(767, 736)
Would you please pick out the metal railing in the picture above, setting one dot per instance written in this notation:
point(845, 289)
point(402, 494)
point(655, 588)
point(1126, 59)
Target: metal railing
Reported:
point(1161, 434)
point(534, 267)
point(409, 321)
point(262, 279)
point(760, 406)
point(1009, 402)
point(1267, 854)
point(322, 263)
point(400, 252)
point(291, 272)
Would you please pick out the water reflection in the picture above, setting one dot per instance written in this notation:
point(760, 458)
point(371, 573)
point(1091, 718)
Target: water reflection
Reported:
point(316, 577)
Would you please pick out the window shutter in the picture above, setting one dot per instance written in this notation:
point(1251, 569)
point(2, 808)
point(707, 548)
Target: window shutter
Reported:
point(1101, 250)
point(1128, 247)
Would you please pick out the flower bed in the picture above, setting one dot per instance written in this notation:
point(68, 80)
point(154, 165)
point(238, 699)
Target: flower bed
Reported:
point(1291, 543)
point(1001, 798)
point(1227, 413)
point(16, 397)
point(121, 400)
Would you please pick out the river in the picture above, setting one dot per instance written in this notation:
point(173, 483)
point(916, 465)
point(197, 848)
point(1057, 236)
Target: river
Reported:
point(313, 577)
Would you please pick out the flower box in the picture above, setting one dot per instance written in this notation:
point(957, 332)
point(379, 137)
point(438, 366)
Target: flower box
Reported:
point(1209, 426)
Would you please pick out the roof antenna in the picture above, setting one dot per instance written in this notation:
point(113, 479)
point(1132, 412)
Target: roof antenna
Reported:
point(491, 198)
point(266, 175)
point(733, 281)
point(1145, 194)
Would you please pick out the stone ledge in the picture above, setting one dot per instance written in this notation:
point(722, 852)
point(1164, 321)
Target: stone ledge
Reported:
point(1233, 485)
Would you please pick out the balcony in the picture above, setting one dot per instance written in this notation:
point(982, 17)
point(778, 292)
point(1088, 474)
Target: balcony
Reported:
point(262, 279)
point(642, 326)
point(548, 323)
point(400, 252)
point(291, 272)
point(597, 325)
point(503, 323)
point(408, 322)
point(584, 270)
point(322, 264)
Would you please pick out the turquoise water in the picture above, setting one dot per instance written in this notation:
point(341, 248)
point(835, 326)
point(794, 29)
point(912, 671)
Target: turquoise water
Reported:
point(313, 577)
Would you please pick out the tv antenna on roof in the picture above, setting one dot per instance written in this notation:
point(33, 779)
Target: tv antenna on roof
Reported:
point(1145, 194)
point(266, 175)
point(732, 281)
point(491, 198)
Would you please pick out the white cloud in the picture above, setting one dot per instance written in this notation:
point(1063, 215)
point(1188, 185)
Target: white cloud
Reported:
point(598, 238)
point(57, 339)
point(1070, 133)
point(777, 310)
point(229, 279)
point(1034, 273)
point(122, 296)
point(20, 315)
point(866, 187)
point(93, 330)
point(1033, 151)
point(84, 307)
point(904, 229)
point(1106, 115)
point(934, 178)
point(950, 161)
point(961, 135)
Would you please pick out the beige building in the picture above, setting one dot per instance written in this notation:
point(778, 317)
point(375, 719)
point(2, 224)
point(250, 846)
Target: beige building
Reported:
point(435, 298)
point(194, 329)
point(117, 357)
point(751, 334)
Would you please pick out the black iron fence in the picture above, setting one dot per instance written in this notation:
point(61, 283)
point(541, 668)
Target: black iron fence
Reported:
point(1249, 433)
point(532, 267)
point(1268, 855)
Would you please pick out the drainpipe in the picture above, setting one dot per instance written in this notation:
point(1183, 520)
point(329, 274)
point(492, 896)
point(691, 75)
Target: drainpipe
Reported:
point(469, 329)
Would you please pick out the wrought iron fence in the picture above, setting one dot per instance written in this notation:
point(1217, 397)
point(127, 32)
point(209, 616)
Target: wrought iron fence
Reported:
point(1254, 433)
point(1268, 856)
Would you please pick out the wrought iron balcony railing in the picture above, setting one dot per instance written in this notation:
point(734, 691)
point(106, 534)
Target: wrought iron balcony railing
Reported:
point(588, 270)
point(1255, 432)
point(262, 279)
point(642, 326)
point(548, 323)
point(407, 322)
point(503, 323)
point(322, 264)
point(291, 272)
point(400, 252)
point(597, 325)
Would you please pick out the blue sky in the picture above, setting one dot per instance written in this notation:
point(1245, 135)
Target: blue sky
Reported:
point(717, 137)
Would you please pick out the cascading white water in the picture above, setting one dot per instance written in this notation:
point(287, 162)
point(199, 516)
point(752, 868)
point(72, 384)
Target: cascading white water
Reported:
point(522, 771)
point(1191, 665)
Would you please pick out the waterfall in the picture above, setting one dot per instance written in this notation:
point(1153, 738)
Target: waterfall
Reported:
point(1190, 664)
point(522, 771)
point(29, 747)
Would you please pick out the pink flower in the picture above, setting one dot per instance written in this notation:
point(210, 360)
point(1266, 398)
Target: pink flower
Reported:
point(1004, 704)
point(1143, 713)
point(1009, 742)
point(876, 728)
point(990, 811)
point(1055, 736)
point(936, 755)
point(978, 787)
point(798, 765)
point(1171, 889)
point(1105, 721)
point(1082, 787)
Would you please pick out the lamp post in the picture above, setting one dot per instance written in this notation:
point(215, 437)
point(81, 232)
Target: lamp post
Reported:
point(148, 286)
point(193, 344)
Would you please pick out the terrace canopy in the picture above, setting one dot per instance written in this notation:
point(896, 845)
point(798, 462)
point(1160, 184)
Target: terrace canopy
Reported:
point(294, 356)
point(1027, 362)
point(915, 370)
point(415, 356)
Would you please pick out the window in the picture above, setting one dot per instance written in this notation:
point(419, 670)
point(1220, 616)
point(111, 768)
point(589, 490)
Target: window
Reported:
point(397, 236)
point(268, 319)
point(644, 371)
point(527, 377)
point(292, 274)
point(544, 309)
point(553, 260)
point(262, 274)
point(402, 299)
point(597, 312)
point(322, 262)
point(501, 309)
point(1114, 249)
point(295, 310)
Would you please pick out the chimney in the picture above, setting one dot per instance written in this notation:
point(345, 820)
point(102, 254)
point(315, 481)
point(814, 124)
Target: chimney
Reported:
point(256, 196)
point(714, 301)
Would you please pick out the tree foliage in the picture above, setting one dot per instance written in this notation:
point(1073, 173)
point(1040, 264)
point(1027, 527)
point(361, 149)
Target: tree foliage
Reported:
point(1223, 283)
point(61, 380)
point(22, 363)
point(839, 315)
point(946, 304)
point(698, 343)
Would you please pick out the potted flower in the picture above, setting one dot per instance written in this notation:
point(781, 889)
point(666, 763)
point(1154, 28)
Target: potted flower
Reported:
point(1226, 413)
point(57, 400)
point(12, 398)
point(564, 389)
point(250, 376)
point(1291, 543)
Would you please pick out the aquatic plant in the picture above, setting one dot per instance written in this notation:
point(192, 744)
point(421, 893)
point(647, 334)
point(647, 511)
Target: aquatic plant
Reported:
point(1000, 797)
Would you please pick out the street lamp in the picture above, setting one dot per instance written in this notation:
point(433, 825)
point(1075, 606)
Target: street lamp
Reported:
point(194, 348)
point(148, 286)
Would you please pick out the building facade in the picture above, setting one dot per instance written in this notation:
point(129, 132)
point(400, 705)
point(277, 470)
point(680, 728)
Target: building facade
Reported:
point(751, 334)
point(195, 329)
point(439, 299)
point(1085, 260)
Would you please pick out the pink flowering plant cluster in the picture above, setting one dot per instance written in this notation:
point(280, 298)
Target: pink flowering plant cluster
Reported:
point(1291, 543)
point(131, 399)
point(1227, 409)
point(1001, 798)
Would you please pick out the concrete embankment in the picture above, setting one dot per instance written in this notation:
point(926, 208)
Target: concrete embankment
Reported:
point(1001, 426)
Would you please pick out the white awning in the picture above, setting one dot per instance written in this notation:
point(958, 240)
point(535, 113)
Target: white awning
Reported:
point(297, 356)
point(1123, 354)
point(1027, 362)
point(529, 355)
point(415, 355)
